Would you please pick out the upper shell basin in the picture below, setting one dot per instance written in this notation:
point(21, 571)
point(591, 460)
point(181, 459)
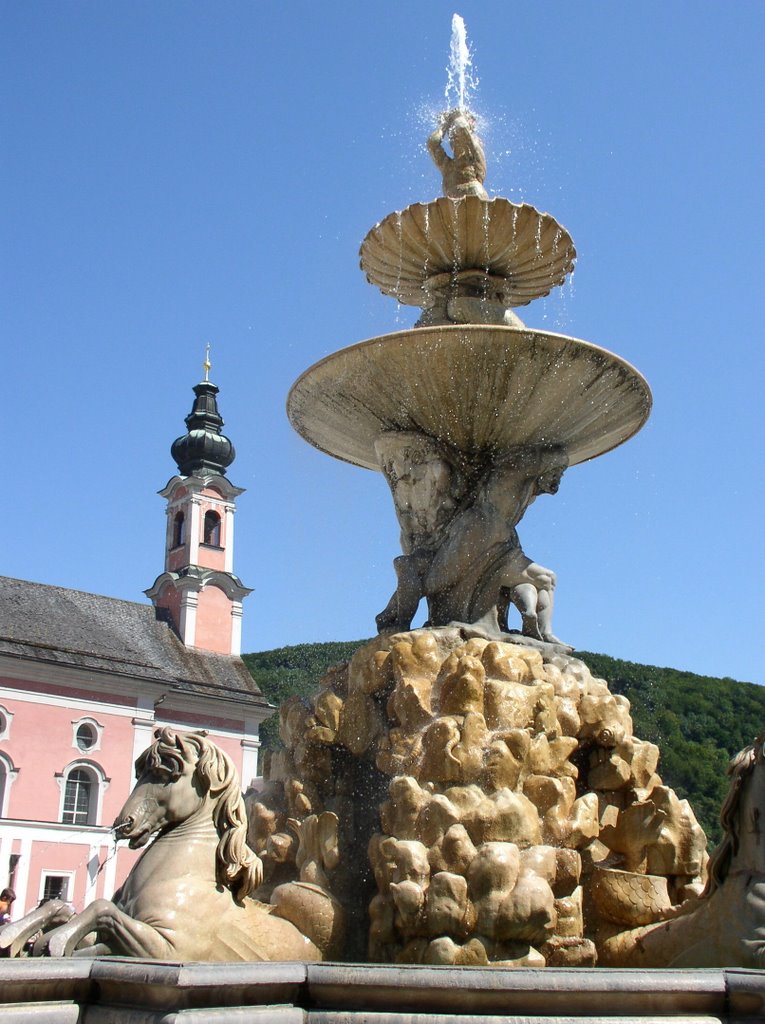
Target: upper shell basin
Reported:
point(529, 251)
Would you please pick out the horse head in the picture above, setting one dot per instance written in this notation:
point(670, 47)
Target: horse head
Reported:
point(740, 815)
point(178, 776)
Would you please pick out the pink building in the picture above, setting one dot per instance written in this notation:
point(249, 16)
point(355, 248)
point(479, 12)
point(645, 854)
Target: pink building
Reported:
point(85, 680)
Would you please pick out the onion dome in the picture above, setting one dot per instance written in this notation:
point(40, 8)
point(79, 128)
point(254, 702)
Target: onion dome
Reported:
point(204, 450)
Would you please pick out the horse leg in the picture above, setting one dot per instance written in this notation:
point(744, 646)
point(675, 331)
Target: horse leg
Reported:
point(14, 936)
point(122, 935)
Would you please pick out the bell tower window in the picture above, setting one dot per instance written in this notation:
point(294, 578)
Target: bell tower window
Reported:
point(179, 530)
point(211, 532)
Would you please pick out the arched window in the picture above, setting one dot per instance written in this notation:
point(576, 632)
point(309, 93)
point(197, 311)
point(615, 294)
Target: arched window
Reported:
point(80, 805)
point(179, 530)
point(212, 529)
point(7, 775)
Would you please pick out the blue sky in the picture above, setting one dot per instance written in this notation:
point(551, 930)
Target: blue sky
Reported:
point(176, 173)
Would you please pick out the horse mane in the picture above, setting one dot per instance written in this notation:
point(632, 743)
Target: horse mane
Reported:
point(238, 868)
point(740, 768)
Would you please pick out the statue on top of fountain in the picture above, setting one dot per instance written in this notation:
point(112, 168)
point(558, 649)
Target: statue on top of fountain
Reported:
point(465, 171)
point(460, 547)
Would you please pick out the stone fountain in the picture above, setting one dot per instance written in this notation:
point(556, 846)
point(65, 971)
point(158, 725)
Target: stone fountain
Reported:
point(460, 795)
point(470, 415)
point(494, 804)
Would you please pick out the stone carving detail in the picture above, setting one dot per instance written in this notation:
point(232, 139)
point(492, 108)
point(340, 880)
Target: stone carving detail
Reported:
point(494, 806)
point(464, 172)
point(458, 801)
point(721, 925)
point(187, 898)
point(460, 547)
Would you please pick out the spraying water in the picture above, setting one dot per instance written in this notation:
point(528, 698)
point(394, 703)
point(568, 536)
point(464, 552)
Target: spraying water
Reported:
point(460, 80)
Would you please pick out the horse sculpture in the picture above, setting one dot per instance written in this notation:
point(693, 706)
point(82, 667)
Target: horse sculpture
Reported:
point(188, 897)
point(725, 925)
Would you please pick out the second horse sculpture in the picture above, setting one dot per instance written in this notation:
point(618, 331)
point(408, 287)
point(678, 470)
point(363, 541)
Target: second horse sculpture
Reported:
point(187, 898)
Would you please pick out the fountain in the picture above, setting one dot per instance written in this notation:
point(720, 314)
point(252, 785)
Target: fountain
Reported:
point(494, 804)
point(470, 415)
point(458, 795)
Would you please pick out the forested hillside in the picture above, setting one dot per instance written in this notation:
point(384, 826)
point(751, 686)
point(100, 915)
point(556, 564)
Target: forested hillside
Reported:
point(698, 722)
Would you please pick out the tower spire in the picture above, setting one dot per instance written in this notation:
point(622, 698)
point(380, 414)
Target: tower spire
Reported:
point(198, 587)
point(203, 448)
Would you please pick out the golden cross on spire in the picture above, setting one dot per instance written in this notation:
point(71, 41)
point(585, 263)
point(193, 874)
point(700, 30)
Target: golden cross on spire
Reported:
point(207, 364)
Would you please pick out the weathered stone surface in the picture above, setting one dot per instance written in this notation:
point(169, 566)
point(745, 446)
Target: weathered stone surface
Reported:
point(345, 402)
point(128, 991)
point(511, 814)
point(187, 895)
point(723, 924)
point(432, 252)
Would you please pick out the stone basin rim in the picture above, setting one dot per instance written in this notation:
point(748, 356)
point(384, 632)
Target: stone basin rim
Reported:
point(418, 336)
point(395, 254)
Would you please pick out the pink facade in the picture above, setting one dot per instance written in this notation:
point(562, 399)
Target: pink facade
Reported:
point(198, 588)
point(85, 681)
point(55, 835)
point(214, 621)
point(170, 599)
point(46, 732)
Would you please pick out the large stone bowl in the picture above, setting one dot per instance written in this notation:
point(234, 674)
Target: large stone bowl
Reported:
point(472, 388)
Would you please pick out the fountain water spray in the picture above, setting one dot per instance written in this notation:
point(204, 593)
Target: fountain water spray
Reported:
point(460, 81)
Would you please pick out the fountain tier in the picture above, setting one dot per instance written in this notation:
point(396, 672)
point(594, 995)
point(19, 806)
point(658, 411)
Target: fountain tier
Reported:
point(473, 389)
point(417, 254)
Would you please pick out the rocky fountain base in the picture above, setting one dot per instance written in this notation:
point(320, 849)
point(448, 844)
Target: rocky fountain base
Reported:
point(473, 804)
point(496, 814)
point(494, 804)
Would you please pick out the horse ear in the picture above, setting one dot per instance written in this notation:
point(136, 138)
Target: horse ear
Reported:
point(167, 736)
point(140, 762)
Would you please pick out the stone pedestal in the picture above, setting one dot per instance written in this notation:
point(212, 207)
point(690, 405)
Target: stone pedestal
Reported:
point(494, 805)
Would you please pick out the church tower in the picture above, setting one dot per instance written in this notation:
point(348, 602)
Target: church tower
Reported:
point(198, 587)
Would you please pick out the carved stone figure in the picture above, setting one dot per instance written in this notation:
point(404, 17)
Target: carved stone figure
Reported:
point(725, 925)
point(464, 172)
point(425, 487)
point(187, 898)
point(465, 557)
point(504, 841)
point(505, 812)
point(480, 565)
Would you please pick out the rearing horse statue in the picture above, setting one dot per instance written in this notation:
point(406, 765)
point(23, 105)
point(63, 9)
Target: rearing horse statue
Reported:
point(187, 898)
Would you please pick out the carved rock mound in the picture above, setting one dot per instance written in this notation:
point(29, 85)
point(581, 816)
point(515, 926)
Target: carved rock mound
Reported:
point(494, 804)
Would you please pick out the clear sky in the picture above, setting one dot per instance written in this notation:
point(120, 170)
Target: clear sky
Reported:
point(175, 173)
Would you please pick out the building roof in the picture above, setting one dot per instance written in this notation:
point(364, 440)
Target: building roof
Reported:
point(104, 634)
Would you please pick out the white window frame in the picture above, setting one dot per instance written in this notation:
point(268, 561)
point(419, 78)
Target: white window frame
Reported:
point(46, 873)
point(98, 728)
point(11, 771)
point(6, 720)
point(101, 785)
